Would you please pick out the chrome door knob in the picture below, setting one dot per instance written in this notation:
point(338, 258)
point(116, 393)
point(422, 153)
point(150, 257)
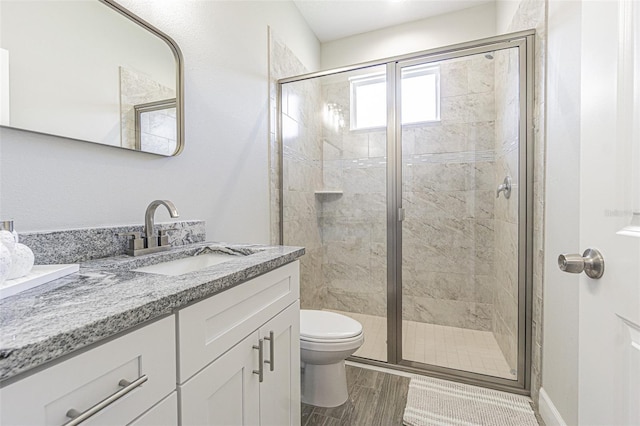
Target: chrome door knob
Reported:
point(591, 262)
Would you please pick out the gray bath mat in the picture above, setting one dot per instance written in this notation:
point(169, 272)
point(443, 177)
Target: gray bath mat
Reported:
point(438, 402)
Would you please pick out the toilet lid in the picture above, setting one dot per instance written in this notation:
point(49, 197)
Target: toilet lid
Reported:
point(327, 325)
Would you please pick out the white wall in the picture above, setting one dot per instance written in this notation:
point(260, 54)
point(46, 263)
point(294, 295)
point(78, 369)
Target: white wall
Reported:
point(442, 30)
point(5, 93)
point(560, 345)
point(505, 11)
point(221, 177)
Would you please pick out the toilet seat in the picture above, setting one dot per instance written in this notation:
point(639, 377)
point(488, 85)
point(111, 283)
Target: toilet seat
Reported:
point(328, 327)
point(329, 341)
point(335, 345)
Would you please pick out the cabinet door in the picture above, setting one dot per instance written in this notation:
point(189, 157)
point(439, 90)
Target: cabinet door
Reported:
point(280, 390)
point(227, 391)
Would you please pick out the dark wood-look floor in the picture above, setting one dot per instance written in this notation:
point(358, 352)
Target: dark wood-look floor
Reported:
point(375, 399)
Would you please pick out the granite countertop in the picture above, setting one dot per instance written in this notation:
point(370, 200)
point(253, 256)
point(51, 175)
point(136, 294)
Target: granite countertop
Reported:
point(106, 298)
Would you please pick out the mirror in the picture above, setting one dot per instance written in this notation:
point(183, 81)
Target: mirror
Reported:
point(92, 71)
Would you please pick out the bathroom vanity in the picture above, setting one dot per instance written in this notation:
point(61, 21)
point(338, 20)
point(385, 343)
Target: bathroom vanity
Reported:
point(216, 346)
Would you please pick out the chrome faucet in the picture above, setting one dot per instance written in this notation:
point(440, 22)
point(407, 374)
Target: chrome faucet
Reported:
point(150, 243)
point(151, 240)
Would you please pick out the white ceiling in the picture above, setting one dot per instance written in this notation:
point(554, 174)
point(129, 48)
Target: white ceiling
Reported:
point(334, 19)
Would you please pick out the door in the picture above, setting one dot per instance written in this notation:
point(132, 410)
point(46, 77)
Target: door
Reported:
point(463, 193)
point(280, 390)
point(227, 391)
point(609, 308)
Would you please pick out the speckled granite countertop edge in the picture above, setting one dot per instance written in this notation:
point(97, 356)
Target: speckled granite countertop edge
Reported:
point(34, 331)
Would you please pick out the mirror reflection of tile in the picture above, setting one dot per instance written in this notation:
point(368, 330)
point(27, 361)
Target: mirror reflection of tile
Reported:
point(158, 127)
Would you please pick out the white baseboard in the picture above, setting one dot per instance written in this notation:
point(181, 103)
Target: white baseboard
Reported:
point(548, 411)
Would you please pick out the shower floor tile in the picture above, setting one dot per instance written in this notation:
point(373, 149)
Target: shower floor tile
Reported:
point(451, 347)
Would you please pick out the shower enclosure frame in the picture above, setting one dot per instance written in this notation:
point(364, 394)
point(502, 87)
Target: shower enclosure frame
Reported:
point(524, 41)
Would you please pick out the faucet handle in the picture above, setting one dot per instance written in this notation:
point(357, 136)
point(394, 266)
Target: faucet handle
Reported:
point(136, 242)
point(163, 236)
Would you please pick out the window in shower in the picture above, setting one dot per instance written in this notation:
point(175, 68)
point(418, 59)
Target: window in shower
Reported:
point(421, 95)
point(420, 101)
point(368, 101)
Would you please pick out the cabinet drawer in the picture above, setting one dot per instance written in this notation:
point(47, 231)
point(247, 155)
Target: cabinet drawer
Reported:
point(209, 328)
point(165, 413)
point(83, 381)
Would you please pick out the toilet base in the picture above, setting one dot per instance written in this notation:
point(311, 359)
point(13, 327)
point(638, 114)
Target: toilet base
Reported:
point(324, 385)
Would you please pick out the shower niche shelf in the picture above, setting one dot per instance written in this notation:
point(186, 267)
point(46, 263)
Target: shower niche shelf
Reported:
point(328, 192)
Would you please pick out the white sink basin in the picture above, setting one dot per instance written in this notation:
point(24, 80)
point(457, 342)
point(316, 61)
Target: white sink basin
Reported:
point(187, 264)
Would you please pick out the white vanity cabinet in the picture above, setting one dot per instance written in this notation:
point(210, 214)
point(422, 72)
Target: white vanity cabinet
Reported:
point(230, 359)
point(146, 356)
point(220, 340)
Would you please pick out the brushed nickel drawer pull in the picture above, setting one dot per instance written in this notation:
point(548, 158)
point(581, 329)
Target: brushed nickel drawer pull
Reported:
point(260, 370)
point(78, 417)
point(272, 350)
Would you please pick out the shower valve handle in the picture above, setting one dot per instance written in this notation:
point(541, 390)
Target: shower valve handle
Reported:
point(504, 187)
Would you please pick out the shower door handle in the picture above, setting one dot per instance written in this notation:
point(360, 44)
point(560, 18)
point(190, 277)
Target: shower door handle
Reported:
point(591, 262)
point(400, 214)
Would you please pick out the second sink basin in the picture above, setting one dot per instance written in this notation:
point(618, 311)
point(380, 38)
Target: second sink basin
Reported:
point(187, 264)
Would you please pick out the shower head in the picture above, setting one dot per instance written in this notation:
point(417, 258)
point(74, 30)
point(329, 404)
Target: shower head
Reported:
point(489, 55)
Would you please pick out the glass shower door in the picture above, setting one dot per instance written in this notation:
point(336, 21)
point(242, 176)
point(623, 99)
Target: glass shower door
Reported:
point(334, 195)
point(459, 136)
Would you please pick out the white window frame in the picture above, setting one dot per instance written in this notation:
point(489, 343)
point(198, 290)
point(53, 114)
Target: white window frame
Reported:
point(354, 84)
point(417, 71)
point(377, 78)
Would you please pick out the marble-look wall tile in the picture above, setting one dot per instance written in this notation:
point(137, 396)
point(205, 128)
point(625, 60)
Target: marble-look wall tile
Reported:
point(355, 145)
point(454, 76)
point(378, 144)
point(312, 292)
point(81, 245)
point(481, 136)
point(439, 285)
point(484, 287)
point(438, 177)
point(362, 303)
point(481, 74)
point(364, 180)
point(354, 207)
point(475, 316)
point(299, 232)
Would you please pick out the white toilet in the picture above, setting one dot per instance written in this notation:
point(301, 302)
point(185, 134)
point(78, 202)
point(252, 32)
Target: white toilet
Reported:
point(326, 340)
